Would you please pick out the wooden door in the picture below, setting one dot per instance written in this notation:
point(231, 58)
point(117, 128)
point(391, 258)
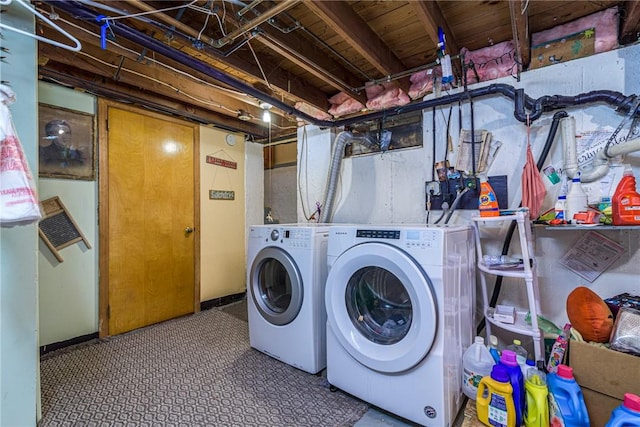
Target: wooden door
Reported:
point(147, 214)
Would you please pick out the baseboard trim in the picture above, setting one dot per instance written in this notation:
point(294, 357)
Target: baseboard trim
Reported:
point(217, 302)
point(44, 349)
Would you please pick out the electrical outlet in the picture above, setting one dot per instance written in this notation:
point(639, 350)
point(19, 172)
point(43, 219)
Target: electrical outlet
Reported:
point(449, 190)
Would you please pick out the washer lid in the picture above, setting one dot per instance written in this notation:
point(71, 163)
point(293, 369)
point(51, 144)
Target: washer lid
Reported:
point(276, 286)
point(381, 306)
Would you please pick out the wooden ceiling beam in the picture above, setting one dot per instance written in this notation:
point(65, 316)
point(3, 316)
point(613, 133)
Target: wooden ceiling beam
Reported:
point(121, 67)
point(630, 25)
point(303, 54)
point(431, 17)
point(100, 86)
point(279, 78)
point(518, 12)
point(355, 31)
point(114, 68)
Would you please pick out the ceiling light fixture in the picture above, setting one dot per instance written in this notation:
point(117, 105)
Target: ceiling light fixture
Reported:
point(264, 105)
point(243, 115)
point(266, 116)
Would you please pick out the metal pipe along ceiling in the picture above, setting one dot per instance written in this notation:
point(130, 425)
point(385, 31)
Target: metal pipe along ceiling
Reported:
point(522, 102)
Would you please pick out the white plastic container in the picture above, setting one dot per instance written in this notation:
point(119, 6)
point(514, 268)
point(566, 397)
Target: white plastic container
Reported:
point(577, 200)
point(521, 355)
point(477, 363)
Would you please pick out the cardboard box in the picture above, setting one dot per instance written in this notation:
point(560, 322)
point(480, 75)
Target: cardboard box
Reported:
point(604, 376)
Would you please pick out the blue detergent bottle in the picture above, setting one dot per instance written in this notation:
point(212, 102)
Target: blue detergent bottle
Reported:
point(566, 404)
point(627, 414)
point(509, 361)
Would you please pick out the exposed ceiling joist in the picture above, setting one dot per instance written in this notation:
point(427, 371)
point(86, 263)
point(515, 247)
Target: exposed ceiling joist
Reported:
point(348, 24)
point(314, 61)
point(278, 77)
point(630, 31)
point(430, 15)
point(519, 14)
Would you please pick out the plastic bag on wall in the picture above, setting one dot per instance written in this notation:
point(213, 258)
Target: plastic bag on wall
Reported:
point(18, 197)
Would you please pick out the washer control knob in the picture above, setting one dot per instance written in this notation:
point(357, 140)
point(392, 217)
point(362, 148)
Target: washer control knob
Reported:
point(275, 234)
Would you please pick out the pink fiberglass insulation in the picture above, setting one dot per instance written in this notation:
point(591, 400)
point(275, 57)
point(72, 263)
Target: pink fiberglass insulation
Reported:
point(491, 62)
point(422, 83)
point(312, 111)
point(385, 95)
point(605, 24)
point(342, 105)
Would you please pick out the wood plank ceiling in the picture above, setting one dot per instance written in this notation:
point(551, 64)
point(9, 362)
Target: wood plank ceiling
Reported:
point(292, 51)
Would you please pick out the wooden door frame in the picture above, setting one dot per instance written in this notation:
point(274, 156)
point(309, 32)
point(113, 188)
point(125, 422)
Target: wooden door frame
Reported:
point(103, 206)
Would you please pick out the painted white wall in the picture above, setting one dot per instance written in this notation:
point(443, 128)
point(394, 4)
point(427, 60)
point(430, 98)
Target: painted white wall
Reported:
point(69, 289)
point(18, 245)
point(314, 157)
point(389, 188)
point(222, 227)
point(280, 189)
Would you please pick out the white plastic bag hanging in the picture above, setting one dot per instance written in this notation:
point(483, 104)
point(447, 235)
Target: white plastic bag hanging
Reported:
point(18, 197)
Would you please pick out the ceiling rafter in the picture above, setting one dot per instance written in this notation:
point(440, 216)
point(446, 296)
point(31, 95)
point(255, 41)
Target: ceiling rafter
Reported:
point(278, 77)
point(630, 26)
point(314, 61)
point(431, 17)
point(519, 14)
point(173, 83)
point(96, 85)
point(348, 24)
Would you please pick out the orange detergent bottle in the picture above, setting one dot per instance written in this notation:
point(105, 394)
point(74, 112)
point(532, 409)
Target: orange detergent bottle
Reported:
point(487, 201)
point(625, 203)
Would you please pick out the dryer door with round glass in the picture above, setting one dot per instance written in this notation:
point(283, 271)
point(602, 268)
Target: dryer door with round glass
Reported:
point(381, 306)
point(276, 286)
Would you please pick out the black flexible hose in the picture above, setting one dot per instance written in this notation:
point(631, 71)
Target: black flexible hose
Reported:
point(497, 287)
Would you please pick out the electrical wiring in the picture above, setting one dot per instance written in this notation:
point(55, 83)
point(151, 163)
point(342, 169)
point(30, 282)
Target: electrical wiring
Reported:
point(155, 61)
point(133, 15)
point(160, 82)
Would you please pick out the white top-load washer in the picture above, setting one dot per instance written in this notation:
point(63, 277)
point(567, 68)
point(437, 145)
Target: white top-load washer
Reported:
point(400, 303)
point(285, 293)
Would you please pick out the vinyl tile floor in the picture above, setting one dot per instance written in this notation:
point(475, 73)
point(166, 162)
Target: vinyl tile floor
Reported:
point(373, 417)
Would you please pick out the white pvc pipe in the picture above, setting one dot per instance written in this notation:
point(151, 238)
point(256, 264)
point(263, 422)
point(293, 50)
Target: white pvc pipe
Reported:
point(600, 165)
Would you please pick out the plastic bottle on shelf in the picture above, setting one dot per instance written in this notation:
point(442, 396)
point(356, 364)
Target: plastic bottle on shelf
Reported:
point(495, 404)
point(493, 348)
point(488, 260)
point(566, 404)
point(627, 414)
point(487, 201)
point(625, 203)
point(577, 200)
point(508, 360)
point(536, 395)
point(521, 354)
point(476, 364)
point(561, 207)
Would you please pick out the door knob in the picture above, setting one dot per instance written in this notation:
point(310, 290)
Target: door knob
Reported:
point(189, 230)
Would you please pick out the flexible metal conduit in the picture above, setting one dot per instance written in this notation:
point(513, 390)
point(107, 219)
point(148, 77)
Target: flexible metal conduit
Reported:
point(522, 102)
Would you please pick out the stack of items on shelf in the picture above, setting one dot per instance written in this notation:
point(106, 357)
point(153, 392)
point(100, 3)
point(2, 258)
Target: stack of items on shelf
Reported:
point(604, 355)
point(508, 392)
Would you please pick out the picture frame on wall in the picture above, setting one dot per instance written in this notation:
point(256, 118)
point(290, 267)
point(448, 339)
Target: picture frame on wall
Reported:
point(66, 143)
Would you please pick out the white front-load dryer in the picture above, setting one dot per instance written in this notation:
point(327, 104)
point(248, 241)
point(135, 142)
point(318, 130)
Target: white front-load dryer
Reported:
point(287, 268)
point(400, 303)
